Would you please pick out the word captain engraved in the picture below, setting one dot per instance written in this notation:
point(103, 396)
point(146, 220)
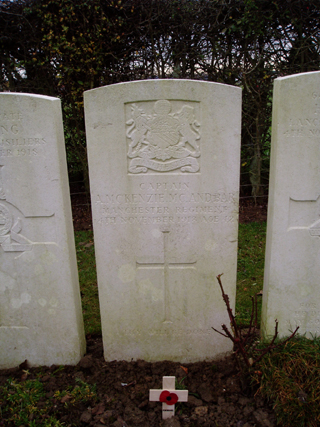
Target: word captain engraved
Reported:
point(164, 140)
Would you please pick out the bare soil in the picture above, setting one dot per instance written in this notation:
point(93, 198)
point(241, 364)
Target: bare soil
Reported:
point(217, 396)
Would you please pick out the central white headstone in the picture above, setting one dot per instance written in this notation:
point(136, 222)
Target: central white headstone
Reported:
point(292, 268)
point(164, 172)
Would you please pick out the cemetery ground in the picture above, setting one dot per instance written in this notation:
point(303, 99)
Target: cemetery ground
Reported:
point(283, 389)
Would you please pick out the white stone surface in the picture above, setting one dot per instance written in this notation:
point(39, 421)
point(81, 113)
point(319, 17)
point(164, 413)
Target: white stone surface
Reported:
point(40, 306)
point(164, 172)
point(291, 291)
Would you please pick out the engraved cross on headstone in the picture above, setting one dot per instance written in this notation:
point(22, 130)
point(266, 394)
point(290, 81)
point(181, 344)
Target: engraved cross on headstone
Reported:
point(166, 266)
point(305, 214)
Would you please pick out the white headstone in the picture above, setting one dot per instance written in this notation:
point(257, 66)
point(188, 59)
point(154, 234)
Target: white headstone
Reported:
point(291, 291)
point(40, 307)
point(164, 172)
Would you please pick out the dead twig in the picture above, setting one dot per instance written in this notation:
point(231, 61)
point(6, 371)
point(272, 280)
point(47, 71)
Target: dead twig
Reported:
point(245, 344)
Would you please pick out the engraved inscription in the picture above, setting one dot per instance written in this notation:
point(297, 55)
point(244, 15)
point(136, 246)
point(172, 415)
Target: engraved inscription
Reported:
point(306, 126)
point(316, 97)
point(163, 203)
point(307, 317)
point(24, 328)
point(165, 140)
point(163, 330)
point(11, 116)
point(13, 142)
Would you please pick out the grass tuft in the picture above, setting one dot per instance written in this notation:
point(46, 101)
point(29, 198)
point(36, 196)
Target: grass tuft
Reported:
point(289, 378)
point(81, 392)
point(24, 404)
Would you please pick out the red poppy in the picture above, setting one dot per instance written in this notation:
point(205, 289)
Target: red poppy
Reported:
point(168, 398)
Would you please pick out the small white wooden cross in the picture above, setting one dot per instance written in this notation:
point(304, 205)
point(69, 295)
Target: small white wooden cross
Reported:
point(169, 396)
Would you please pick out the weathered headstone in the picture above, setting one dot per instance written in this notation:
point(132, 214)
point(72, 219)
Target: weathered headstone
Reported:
point(164, 172)
point(291, 291)
point(169, 396)
point(40, 307)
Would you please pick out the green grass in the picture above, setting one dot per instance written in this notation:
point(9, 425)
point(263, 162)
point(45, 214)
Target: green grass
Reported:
point(81, 392)
point(289, 378)
point(88, 281)
point(25, 403)
point(20, 404)
point(251, 249)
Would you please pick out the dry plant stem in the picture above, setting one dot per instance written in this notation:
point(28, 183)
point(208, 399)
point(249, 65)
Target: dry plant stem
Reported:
point(249, 338)
point(225, 297)
point(237, 338)
point(244, 344)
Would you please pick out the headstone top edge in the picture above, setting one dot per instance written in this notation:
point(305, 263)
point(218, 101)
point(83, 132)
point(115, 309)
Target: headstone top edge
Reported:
point(156, 81)
point(30, 95)
point(296, 76)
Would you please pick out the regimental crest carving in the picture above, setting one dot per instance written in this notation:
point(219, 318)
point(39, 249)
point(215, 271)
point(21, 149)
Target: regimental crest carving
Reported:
point(10, 238)
point(164, 140)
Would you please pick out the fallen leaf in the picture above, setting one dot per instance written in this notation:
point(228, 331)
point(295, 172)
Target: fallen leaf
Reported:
point(88, 245)
point(108, 399)
point(24, 376)
point(184, 369)
point(65, 398)
point(99, 409)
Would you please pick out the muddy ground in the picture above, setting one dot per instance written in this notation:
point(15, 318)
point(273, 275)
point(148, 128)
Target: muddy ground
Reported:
point(217, 397)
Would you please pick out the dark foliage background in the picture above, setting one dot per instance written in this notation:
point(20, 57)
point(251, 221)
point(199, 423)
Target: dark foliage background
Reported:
point(62, 48)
